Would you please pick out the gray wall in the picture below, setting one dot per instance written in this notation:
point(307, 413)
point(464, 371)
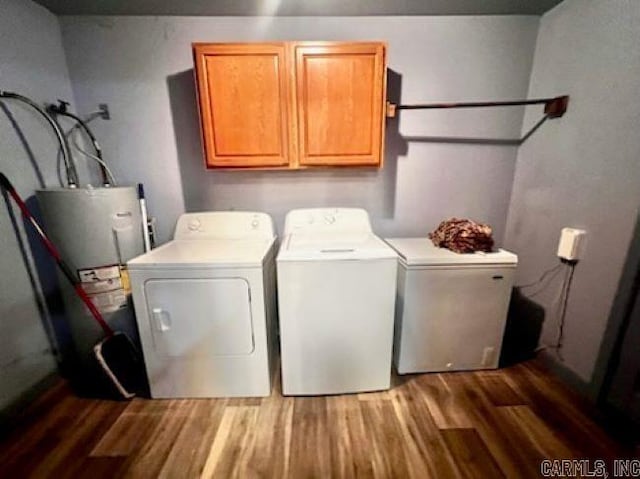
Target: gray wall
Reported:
point(141, 67)
point(32, 62)
point(582, 170)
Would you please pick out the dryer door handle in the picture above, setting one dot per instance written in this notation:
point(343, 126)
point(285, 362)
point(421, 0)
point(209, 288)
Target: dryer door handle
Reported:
point(162, 319)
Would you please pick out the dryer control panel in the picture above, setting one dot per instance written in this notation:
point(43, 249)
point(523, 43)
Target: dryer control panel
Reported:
point(224, 225)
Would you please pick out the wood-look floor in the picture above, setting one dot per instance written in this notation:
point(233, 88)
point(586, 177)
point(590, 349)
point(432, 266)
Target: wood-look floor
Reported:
point(486, 424)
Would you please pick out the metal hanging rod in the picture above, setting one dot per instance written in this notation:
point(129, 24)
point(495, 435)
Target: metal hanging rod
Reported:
point(553, 107)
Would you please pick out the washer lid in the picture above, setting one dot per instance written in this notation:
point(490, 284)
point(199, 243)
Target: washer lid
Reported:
point(422, 252)
point(204, 253)
point(345, 246)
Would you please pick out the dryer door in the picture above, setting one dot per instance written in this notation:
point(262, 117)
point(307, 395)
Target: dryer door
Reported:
point(200, 317)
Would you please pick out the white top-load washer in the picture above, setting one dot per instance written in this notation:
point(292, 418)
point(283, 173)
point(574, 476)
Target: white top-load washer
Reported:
point(451, 308)
point(206, 307)
point(336, 294)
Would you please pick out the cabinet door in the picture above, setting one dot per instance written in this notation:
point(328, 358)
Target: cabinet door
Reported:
point(243, 97)
point(340, 91)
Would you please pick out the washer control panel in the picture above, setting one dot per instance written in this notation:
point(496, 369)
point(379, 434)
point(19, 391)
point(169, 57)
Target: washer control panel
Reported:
point(195, 225)
point(327, 220)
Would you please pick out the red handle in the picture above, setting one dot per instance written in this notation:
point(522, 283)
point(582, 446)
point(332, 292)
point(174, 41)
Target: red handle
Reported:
point(53, 251)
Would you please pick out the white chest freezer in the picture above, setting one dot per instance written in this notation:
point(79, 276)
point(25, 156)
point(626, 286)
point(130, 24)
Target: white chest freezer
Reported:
point(451, 308)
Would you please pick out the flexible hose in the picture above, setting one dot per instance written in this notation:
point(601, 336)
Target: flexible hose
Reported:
point(94, 141)
point(93, 157)
point(70, 168)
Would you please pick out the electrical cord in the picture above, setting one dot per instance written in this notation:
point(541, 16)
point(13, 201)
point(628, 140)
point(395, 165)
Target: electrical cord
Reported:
point(541, 278)
point(555, 301)
point(544, 286)
point(563, 309)
point(556, 307)
point(562, 301)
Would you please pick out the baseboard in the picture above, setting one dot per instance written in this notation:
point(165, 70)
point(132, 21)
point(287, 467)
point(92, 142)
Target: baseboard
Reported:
point(10, 413)
point(567, 376)
point(610, 419)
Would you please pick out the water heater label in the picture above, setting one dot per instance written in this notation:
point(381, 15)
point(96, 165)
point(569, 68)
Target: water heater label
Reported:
point(102, 286)
point(100, 273)
point(107, 286)
point(110, 301)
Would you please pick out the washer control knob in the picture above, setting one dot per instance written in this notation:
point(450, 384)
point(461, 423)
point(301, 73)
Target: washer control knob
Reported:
point(254, 224)
point(330, 219)
point(194, 225)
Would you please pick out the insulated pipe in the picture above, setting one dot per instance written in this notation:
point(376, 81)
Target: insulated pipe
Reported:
point(70, 167)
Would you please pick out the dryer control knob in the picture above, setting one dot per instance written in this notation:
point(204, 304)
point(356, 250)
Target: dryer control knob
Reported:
point(255, 224)
point(330, 219)
point(194, 225)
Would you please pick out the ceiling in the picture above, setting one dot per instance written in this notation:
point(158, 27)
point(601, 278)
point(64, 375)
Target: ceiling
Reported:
point(298, 7)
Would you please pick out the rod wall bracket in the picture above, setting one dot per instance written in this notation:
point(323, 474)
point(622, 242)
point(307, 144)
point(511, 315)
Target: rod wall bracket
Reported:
point(556, 107)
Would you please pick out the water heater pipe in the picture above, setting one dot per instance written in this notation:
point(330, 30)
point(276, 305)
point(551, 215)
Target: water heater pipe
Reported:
point(70, 167)
point(61, 109)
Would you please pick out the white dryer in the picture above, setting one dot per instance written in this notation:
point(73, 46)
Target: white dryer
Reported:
point(336, 295)
point(451, 308)
point(206, 308)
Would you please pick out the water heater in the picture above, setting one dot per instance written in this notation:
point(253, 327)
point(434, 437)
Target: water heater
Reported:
point(97, 230)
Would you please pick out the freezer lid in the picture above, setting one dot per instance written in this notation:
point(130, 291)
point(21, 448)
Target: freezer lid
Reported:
point(422, 252)
point(204, 253)
point(345, 246)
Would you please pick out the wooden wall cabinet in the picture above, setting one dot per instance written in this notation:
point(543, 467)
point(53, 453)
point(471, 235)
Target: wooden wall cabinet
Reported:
point(244, 104)
point(291, 105)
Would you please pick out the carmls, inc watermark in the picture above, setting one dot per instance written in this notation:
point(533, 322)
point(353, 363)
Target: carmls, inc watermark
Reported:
point(587, 468)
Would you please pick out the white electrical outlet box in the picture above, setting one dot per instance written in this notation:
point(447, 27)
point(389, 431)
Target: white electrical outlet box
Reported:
point(571, 245)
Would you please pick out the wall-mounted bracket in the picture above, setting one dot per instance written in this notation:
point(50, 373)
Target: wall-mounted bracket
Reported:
point(103, 108)
point(391, 109)
point(556, 107)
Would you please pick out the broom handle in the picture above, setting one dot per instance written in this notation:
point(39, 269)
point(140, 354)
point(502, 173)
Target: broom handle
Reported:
point(6, 184)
